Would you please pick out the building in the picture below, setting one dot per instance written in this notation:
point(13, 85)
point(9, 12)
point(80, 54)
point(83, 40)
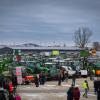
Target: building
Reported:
point(9, 49)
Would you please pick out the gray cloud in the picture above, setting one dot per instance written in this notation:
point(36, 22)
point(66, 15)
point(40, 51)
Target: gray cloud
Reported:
point(48, 20)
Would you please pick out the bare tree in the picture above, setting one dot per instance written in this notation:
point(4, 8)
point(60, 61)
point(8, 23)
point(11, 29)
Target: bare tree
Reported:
point(82, 36)
point(96, 45)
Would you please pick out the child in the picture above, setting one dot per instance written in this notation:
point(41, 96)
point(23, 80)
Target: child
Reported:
point(17, 97)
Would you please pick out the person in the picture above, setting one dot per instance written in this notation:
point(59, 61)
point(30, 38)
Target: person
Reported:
point(2, 96)
point(70, 93)
point(91, 75)
point(7, 85)
point(11, 97)
point(40, 78)
point(98, 93)
point(36, 81)
point(86, 88)
point(10, 87)
point(76, 93)
point(97, 87)
point(17, 97)
point(63, 75)
point(66, 76)
point(14, 82)
point(43, 79)
point(59, 79)
point(73, 79)
point(1, 80)
point(94, 80)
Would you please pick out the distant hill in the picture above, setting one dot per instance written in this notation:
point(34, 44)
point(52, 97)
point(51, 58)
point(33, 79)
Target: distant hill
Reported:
point(2, 46)
point(30, 44)
point(21, 45)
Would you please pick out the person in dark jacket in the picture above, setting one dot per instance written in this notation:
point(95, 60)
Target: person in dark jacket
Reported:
point(70, 93)
point(42, 78)
point(11, 97)
point(14, 83)
point(76, 93)
point(36, 81)
point(59, 79)
point(98, 93)
point(73, 79)
point(97, 87)
point(2, 96)
point(66, 76)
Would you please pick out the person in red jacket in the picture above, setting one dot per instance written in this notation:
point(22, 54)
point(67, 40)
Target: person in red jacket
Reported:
point(10, 87)
point(76, 93)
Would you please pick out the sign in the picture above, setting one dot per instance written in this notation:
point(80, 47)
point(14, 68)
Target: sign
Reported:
point(84, 53)
point(47, 53)
point(19, 75)
point(18, 71)
point(97, 72)
point(19, 79)
point(84, 72)
point(55, 52)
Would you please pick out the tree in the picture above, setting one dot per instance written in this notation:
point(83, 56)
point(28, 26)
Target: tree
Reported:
point(82, 36)
point(96, 45)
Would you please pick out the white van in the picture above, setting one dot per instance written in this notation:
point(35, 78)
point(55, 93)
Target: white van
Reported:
point(69, 69)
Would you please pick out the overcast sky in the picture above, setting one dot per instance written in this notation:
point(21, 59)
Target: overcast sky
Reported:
point(47, 21)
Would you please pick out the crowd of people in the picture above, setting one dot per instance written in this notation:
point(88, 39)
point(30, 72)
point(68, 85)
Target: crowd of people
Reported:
point(8, 88)
point(74, 93)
